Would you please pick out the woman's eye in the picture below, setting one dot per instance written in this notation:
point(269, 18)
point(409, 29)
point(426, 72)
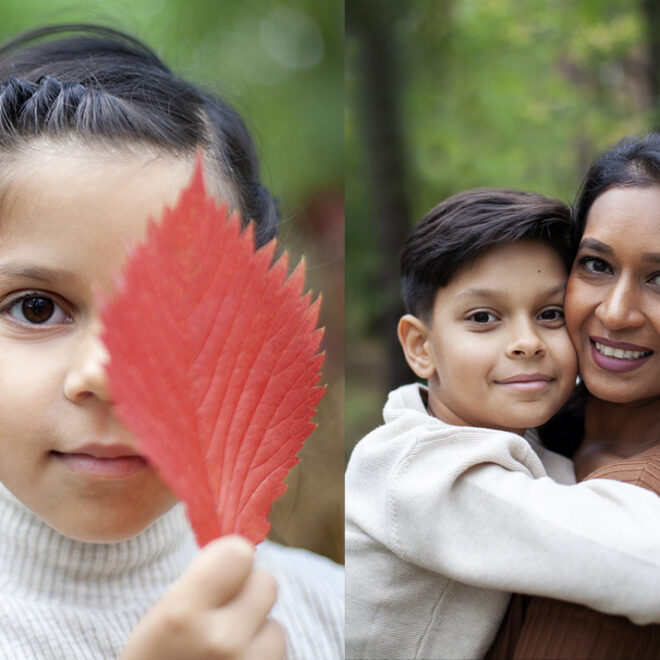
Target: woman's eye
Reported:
point(36, 310)
point(553, 314)
point(482, 317)
point(655, 279)
point(595, 265)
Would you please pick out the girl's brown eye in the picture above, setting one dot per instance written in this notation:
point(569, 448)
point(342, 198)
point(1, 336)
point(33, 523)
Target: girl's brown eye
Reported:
point(37, 309)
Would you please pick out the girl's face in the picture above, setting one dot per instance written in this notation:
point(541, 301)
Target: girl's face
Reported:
point(66, 219)
point(613, 296)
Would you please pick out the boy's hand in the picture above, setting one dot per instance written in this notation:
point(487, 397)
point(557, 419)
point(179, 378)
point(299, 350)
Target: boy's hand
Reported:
point(218, 608)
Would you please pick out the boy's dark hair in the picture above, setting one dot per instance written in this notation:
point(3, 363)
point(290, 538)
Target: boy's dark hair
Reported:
point(455, 232)
point(634, 161)
point(101, 85)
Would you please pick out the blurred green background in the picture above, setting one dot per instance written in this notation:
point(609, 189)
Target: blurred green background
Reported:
point(280, 64)
point(445, 95)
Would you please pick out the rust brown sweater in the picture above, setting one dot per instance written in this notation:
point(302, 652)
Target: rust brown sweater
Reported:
point(545, 629)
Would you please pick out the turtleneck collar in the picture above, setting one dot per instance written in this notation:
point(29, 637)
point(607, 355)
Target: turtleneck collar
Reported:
point(38, 563)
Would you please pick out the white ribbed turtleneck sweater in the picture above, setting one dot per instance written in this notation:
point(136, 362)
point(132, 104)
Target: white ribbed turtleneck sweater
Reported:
point(62, 599)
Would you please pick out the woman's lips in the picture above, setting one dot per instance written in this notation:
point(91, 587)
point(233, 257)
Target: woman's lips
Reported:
point(618, 355)
point(108, 461)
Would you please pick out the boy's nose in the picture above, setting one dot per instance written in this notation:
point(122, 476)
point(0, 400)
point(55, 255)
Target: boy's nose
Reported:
point(619, 309)
point(87, 376)
point(525, 341)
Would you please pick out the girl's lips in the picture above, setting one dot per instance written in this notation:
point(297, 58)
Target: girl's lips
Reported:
point(621, 362)
point(95, 466)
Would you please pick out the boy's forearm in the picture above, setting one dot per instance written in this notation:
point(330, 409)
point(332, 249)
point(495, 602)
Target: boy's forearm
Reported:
point(595, 543)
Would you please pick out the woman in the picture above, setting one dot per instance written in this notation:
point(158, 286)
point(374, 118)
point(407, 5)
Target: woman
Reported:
point(613, 316)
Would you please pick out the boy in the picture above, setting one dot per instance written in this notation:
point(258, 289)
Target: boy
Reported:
point(452, 504)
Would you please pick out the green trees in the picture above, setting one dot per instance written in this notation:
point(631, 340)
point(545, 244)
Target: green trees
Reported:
point(491, 93)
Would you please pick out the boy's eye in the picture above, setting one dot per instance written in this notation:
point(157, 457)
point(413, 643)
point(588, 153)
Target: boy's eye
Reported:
point(553, 314)
point(36, 309)
point(595, 265)
point(482, 317)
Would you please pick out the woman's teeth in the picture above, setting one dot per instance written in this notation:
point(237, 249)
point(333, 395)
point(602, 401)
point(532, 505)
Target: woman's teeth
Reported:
point(620, 353)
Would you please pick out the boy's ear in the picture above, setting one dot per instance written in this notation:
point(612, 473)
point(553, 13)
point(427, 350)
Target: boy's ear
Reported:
point(414, 338)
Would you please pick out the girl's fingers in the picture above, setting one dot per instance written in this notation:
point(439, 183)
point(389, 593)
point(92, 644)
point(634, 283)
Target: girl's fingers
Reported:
point(242, 618)
point(269, 643)
point(216, 575)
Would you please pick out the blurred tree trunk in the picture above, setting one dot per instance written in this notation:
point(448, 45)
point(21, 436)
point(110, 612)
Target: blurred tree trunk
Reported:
point(651, 10)
point(372, 24)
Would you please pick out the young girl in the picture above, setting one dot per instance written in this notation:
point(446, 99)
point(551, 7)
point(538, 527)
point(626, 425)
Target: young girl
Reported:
point(97, 135)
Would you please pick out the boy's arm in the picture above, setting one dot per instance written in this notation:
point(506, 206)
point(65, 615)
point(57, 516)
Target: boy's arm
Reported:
point(478, 509)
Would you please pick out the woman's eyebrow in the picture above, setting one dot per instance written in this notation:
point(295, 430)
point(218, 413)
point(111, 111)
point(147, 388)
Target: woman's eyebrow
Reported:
point(39, 273)
point(598, 246)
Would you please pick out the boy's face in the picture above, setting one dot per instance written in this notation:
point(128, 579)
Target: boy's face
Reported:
point(496, 352)
point(65, 223)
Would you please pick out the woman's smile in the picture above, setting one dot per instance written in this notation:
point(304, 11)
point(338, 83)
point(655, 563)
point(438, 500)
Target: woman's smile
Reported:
point(613, 296)
point(618, 356)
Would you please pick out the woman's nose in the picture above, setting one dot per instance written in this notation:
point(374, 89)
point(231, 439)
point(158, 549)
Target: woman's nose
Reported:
point(525, 341)
point(87, 375)
point(619, 309)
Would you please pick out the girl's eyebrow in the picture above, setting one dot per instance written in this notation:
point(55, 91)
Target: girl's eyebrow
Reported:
point(39, 273)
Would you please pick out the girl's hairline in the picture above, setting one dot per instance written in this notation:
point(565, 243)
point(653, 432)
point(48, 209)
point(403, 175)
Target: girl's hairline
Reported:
point(131, 148)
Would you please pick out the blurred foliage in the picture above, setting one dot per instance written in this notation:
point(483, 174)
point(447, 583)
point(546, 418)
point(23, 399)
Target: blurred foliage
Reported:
point(280, 64)
point(514, 93)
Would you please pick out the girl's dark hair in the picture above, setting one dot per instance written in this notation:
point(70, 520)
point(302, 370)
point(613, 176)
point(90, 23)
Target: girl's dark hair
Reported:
point(464, 226)
point(634, 161)
point(100, 85)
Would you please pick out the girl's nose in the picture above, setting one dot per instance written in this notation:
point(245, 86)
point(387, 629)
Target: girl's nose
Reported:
point(87, 376)
point(525, 341)
point(619, 309)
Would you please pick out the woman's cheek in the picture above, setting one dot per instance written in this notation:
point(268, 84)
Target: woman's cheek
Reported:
point(575, 310)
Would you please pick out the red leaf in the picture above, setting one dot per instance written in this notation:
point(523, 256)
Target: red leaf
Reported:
point(214, 363)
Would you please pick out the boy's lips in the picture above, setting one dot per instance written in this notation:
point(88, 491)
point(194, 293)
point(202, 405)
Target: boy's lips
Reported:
point(618, 355)
point(99, 460)
point(527, 382)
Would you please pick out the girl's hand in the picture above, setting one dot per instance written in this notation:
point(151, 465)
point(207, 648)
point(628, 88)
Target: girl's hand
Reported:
point(218, 608)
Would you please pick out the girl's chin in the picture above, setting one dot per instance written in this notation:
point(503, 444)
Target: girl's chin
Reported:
point(107, 529)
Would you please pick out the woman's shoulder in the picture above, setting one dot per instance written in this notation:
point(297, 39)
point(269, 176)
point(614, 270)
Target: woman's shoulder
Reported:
point(642, 470)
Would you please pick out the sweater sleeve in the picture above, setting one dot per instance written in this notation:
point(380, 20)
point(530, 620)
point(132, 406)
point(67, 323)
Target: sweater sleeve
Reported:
point(479, 509)
point(540, 628)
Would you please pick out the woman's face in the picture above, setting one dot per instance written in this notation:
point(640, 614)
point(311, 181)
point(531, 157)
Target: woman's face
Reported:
point(613, 296)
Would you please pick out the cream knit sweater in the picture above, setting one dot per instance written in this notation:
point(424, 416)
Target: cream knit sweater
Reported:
point(443, 522)
point(62, 599)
